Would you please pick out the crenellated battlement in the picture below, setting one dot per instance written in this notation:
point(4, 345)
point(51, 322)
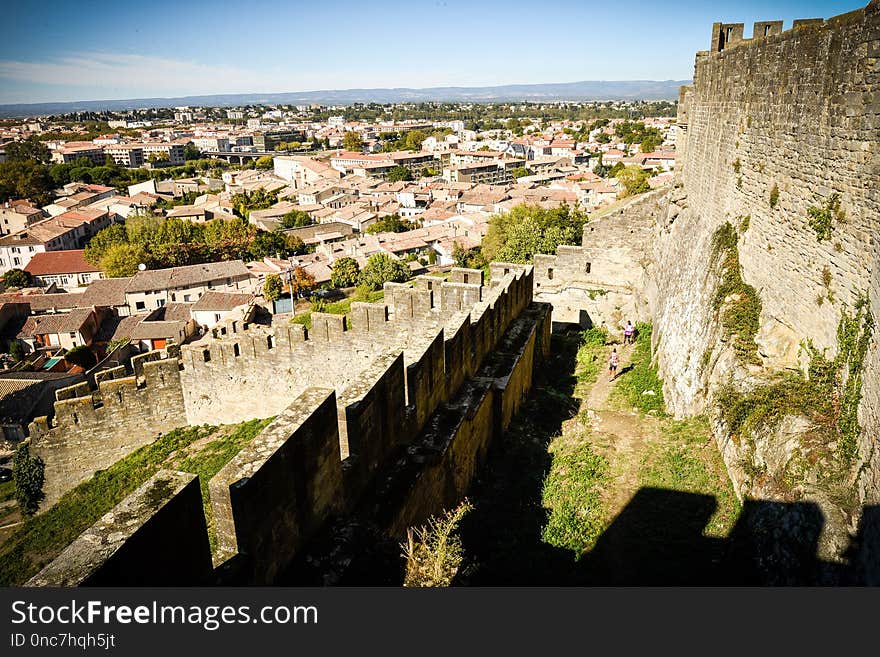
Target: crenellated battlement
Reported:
point(91, 430)
point(322, 454)
point(728, 35)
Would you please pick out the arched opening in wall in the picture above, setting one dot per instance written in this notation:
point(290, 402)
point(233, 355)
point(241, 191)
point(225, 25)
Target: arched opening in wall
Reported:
point(206, 355)
point(587, 268)
point(75, 418)
point(236, 350)
point(270, 342)
point(119, 396)
point(549, 273)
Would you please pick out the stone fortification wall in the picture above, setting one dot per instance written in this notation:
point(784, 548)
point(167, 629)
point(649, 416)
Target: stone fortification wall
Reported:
point(92, 430)
point(602, 283)
point(417, 428)
point(774, 126)
point(780, 139)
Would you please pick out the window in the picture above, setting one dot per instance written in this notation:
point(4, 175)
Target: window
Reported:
point(217, 317)
point(160, 303)
point(587, 268)
point(16, 261)
point(73, 334)
point(187, 297)
point(550, 273)
point(139, 305)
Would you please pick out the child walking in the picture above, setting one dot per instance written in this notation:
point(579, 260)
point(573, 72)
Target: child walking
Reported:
point(612, 364)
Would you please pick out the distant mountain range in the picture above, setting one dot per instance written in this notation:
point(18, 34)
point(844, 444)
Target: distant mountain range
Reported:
point(586, 90)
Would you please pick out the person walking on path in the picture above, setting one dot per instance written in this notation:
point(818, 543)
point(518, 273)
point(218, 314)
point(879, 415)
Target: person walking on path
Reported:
point(613, 361)
point(629, 333)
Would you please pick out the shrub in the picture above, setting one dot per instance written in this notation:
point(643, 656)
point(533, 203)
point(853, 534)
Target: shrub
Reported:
point(28, 473)
point(739, 303)
point(434, 552)
point(820, 217)
point(774, 196)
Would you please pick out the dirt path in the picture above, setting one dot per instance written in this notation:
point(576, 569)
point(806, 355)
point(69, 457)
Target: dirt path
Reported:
point(619, 434)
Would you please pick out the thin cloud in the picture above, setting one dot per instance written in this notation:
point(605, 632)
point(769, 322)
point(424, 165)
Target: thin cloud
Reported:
point(159, 75)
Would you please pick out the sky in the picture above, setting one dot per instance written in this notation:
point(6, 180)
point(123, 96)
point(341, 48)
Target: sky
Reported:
point(66, 50)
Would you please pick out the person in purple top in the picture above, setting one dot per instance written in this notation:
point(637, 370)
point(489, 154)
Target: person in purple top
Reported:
point(629, 333)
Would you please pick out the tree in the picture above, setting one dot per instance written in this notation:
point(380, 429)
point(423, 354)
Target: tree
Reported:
point(516, 236)
point(175, 230)
point(345, 272)
point(634, 179)
point(648, 145)
point(382, 268)
point(25, 179)
point(30, 149)
point(121, 260)
point(16, 350)
point(412, 140)
point(296, 219)
point(264, 163)
point(191, 152)
point(16, 278)
point(520, 172)
point(142, 229)
point(266, 244)
point(399, 173)
point(273, 287)
point(469, 258)
point(28, 474)
point(603, 138)
point(393, 223)
point(103, 240)
point(301, 281)
point(156, 158)
point(82, 356)
point(352, 141)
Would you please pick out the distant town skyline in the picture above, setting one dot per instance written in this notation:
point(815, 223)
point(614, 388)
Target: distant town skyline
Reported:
point(60, 51)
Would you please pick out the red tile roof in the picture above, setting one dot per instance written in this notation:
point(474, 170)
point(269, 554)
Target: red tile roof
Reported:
point(59, 262)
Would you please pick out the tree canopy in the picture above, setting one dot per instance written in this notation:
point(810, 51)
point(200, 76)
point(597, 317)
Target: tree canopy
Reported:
point(382, 268)
point(345, 272)
point(352, 141)
point(296, 219)
point(16, 278)
point(174, 242)
point(398, 173)
point(516, 236)
point(634, 179)
point(393, 223)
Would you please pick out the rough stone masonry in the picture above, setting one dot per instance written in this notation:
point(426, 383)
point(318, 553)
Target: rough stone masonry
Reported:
point(774, 128)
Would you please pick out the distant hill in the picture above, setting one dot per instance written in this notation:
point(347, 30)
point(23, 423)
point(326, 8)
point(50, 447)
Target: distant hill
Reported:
point(587, 90)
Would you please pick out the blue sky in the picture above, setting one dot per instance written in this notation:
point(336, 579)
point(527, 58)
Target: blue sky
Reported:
point(85, 50)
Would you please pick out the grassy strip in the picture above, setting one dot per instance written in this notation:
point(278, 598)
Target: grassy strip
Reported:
point(42, 537)
point(342, 307)
point(573, 493)
point(209, 460)
point(590, 357)
point(638, 385)
point(686, 459)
